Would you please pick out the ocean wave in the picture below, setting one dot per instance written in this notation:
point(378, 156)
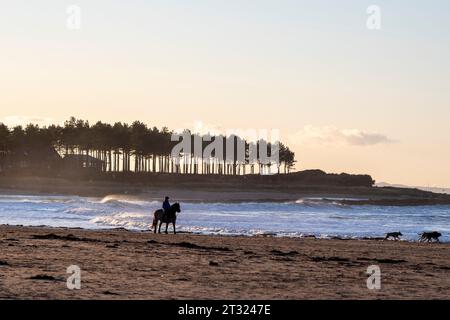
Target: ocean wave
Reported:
point(321, 217)
point(118, 199)
point(36, 201)
point(82, 211)
point(322, 202)
point(129, 220)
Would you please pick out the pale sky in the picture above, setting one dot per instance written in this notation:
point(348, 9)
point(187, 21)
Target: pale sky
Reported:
point(346, 98)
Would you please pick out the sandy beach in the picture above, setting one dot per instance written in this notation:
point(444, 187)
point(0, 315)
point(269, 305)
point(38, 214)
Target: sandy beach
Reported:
point(118, 264)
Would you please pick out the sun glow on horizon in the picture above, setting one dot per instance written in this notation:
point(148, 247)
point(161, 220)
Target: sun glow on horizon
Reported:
point(345, 98)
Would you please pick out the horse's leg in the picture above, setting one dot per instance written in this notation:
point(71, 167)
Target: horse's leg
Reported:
point(160, 224)
point(174, 230)
point(167, 226)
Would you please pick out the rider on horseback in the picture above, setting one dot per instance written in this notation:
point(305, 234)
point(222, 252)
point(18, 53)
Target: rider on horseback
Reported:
point(166, 205)
point(168, 214)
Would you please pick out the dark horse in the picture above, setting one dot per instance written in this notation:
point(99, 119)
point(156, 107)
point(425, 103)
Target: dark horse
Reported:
point(166, 217)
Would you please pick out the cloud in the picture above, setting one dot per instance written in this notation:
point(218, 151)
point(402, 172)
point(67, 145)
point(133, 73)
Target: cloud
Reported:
point(332, 136)
point(205, 128)
point(12, 121)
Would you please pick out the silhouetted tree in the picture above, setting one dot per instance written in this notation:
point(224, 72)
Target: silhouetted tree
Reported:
point(122, 148)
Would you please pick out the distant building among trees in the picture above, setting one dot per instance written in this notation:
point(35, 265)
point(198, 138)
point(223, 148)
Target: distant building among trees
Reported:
point(82, 161)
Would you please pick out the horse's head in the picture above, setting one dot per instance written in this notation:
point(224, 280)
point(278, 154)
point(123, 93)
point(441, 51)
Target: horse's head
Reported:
point(176, 207)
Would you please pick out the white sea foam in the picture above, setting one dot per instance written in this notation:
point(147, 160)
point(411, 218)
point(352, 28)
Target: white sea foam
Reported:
point(129, 220)
point(310, 216)
point(126, 200)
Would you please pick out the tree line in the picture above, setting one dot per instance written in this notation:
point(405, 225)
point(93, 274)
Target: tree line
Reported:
point(124, 148)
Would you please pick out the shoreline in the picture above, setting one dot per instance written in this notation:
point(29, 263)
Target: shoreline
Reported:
point(237, 235)
point(119, 264)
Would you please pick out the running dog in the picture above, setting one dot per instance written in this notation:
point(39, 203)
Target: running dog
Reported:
point(393, 235)
point(430, 236)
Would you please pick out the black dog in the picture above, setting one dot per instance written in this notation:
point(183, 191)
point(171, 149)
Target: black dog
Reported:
point(430, 236)
point(393, 235)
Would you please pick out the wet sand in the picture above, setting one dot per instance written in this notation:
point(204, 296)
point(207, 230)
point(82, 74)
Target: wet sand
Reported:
point(118, 264)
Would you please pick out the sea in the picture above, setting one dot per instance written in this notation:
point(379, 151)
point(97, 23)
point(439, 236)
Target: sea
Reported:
point(320, 217)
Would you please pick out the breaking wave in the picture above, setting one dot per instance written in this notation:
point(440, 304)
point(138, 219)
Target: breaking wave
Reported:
point(320, 217)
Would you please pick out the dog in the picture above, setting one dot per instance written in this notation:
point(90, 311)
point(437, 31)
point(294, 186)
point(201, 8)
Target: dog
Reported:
point(393, 235)
point(430, 236)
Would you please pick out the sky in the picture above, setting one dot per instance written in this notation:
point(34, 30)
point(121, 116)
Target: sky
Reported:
point(345, 98)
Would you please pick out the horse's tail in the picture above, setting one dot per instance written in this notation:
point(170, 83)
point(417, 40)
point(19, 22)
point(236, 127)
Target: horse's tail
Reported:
point(155, 219)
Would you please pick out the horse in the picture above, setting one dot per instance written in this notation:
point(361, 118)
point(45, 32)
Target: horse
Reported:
point(166, 217)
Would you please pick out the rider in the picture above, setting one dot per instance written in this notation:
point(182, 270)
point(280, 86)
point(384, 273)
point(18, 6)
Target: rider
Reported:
point(166, 205)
